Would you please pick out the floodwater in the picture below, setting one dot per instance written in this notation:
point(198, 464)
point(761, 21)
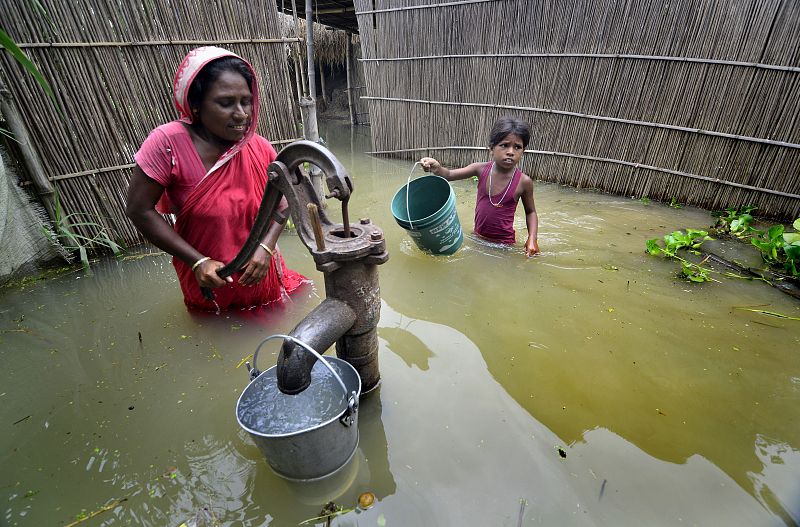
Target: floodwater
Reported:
point(586, 386)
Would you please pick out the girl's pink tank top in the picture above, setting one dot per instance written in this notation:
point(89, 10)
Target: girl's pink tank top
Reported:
point(496, 223)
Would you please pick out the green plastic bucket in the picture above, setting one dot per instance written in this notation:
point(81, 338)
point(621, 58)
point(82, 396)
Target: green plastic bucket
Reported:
point(426, 208)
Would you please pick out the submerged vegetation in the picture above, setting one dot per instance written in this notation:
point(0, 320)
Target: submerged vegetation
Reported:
point(691, 241)
point(65, 233)
point(780, 250)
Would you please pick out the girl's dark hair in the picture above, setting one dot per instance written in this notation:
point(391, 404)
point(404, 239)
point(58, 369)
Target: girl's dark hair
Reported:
point(211, 72)
point(509, 125)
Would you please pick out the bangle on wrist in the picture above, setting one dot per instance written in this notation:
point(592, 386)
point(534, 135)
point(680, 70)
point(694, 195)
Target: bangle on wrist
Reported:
point(201, 260)
point(270, 251)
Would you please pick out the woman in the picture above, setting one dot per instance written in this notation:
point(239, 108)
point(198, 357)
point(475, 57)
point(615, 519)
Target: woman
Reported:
point(209, 168)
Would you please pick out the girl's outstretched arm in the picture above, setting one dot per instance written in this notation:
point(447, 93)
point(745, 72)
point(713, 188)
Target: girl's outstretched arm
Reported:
point(429, 164)
point(531, 218)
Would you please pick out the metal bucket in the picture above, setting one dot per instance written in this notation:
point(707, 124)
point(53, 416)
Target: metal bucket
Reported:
point(316, 446)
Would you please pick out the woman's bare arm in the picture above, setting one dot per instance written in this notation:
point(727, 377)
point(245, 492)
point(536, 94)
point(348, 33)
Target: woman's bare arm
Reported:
point(143, 194)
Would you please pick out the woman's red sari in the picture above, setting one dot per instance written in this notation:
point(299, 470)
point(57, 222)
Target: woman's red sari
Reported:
point(216, 219)
point(215, 210)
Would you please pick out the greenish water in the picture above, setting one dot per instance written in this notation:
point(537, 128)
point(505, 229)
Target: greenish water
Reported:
point(673, 407)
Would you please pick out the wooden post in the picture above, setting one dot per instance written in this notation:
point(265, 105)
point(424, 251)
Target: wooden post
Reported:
point(310, 132)
point(44, 188)
point(312, 78)
point(322, 87)
point(349, 54)
point(309, 111)
point(297, 79)
point(308, 105)
point(298, 61)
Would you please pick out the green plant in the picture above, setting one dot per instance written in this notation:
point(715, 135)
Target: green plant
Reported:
point(676, 240)
point(65, 232)
point(735, 222)
point(691, 241)
point(8, 43)
point(695, 272)
point(780, 248)
point(674, 203)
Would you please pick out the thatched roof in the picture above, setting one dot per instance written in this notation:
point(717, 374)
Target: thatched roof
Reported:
point(330, 45)
point(339, 14)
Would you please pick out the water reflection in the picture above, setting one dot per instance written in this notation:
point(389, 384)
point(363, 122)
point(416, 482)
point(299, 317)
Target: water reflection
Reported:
point(671, 404)
point(465, 432)
point(778, 483)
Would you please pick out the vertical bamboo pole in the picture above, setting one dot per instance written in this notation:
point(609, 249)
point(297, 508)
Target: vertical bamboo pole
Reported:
point(348, 68)
point(322, 86)
point(31, 158)
point(312, 80)
point(297, 48)
point(308, 105)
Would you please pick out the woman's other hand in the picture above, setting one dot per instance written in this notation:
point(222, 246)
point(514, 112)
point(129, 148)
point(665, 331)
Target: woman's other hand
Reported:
point(429, 164)
point(531, 247)
point(257, 268)
point(206, 274)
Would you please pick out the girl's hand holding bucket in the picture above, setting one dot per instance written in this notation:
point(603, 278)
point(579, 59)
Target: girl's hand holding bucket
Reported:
point(429, 164)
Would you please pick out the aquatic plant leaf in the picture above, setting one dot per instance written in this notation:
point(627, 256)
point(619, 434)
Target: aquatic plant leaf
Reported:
point(796, 224)
point(791, 238)
point(652, 247)
point(775, 232)
point(792, 251)
point(768, 313)
point(769, 251)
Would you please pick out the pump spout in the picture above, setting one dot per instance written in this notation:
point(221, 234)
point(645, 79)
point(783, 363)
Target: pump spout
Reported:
point(321, 328)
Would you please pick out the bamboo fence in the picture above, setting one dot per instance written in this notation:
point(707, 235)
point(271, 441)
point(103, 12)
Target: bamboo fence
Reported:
point(693, 101)
point(111, 66)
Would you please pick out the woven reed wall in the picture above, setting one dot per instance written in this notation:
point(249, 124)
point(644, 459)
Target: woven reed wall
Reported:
point(111, 65)
point(696, 101)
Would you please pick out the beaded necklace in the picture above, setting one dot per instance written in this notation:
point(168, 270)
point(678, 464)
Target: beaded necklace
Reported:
point(489, 189)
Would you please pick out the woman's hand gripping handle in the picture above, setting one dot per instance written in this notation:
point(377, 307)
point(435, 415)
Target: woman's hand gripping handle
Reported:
point(205, 272)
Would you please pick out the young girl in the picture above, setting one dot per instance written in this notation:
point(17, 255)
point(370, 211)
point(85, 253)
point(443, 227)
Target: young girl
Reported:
point(501, 185)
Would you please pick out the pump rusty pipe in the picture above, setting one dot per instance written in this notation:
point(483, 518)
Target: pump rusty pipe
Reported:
point(320, 329)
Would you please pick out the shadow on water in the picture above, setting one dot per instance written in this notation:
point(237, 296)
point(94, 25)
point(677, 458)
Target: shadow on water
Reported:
point(586, 386)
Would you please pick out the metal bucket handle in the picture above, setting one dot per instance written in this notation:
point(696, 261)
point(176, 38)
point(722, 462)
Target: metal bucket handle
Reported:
point(408, 191)
point(351, 397)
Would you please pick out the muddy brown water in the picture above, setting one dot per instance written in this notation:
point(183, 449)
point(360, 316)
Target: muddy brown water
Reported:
point(586, 386)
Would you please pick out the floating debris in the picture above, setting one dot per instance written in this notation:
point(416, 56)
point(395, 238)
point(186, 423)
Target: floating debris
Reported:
point(366, 500)
point(329, 511)
point(768, 313)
